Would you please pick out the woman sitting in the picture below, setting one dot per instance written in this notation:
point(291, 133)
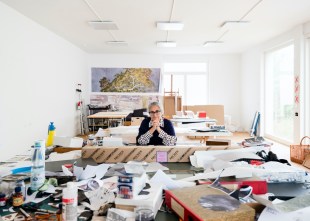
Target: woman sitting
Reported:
point(156, 130)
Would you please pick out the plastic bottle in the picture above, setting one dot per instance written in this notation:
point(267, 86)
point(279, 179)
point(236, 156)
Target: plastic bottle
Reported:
point(69, 202)
point(43, 149)
point(51, 134)
point(38, 167)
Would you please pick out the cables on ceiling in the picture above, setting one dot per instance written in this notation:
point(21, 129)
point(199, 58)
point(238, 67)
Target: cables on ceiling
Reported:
point(98, 16)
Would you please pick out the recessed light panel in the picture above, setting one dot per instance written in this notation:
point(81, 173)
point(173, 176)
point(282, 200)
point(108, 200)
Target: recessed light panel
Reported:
point(166, 44)
point(170, 26)
point(117, 43)
point(103, 25)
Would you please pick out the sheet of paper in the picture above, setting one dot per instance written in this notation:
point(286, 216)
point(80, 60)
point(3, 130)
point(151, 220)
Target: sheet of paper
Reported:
point(101, 170)
point(77, 171)
point(217, 152)
point(134, 168)
point(291, 205)
point(99, 197)
point(270, 214)
point(205, 158)
point(163, 179)
point(220, 164)
point(75, 154)
point(238, 172)
point(66, 171)
point(294, 204)
point(32, 198)
point(102, 133)
point(89, 172)
point(280, 167)
point(193, 160)
point(154, 167)
point(7, 167)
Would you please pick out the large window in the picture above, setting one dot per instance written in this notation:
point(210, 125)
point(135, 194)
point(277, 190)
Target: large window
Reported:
point(279, 93)
point(189, 79)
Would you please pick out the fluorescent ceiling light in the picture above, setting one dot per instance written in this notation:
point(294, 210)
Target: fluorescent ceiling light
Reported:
point(212, 42)
point(170, 26)
point(166, 44)
point(117, 43)
point(232, 24)
point(103, 25)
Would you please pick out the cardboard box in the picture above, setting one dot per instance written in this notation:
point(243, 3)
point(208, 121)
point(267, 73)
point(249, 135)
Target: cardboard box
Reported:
point(136, 121)
point(213, 111)
point(68, 141)
point(123, 154)
point(185, 203)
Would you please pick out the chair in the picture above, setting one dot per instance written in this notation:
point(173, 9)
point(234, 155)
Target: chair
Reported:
point(137, 113)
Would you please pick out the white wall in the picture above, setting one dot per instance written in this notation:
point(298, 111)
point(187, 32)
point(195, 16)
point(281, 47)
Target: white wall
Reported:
point(38, 76)
point(253, 75)
point(250, 86)
point(224, 72)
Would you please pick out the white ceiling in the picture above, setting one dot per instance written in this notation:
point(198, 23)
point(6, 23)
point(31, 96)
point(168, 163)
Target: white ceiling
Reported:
point(136, 20)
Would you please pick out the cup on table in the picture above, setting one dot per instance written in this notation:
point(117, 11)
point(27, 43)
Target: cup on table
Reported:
point(144, 214)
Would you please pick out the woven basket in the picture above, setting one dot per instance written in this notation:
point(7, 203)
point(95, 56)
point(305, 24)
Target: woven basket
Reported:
point(298, 152)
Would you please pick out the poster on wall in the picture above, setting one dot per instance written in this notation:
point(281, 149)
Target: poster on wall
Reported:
point(125, 80)
point(124, 102)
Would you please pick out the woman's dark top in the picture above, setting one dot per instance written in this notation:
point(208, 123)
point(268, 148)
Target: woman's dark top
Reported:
point(165, 137)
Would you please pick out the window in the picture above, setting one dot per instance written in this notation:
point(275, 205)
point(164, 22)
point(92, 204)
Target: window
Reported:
point(279, 93)
point(189, 79)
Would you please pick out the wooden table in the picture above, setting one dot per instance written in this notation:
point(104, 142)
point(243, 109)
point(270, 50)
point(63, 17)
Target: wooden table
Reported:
point(110, 116)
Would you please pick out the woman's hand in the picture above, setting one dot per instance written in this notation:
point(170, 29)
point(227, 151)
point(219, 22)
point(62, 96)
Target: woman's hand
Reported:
point(155, 126)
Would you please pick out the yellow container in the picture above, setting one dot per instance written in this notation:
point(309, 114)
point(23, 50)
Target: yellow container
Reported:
point(51, 134)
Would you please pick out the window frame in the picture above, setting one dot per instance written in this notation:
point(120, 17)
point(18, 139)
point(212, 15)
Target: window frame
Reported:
point(186, 74)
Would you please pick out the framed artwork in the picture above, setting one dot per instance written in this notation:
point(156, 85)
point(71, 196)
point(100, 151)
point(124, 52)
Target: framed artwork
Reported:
point(125, 80)
point(124, 102)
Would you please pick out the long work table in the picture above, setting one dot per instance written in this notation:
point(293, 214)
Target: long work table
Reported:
point(180, 131)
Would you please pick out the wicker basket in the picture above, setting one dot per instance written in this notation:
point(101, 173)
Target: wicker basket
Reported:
point(298, 152)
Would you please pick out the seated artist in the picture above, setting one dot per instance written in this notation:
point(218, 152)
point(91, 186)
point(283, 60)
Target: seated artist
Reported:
point(156, 130)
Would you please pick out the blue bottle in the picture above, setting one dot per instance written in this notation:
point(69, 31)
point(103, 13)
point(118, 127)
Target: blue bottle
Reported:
point(38, 167)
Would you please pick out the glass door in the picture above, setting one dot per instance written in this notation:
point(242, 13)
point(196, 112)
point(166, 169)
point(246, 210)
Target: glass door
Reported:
point(279, 94)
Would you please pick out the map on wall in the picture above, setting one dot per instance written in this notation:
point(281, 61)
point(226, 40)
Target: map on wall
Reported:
point(125, 80)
